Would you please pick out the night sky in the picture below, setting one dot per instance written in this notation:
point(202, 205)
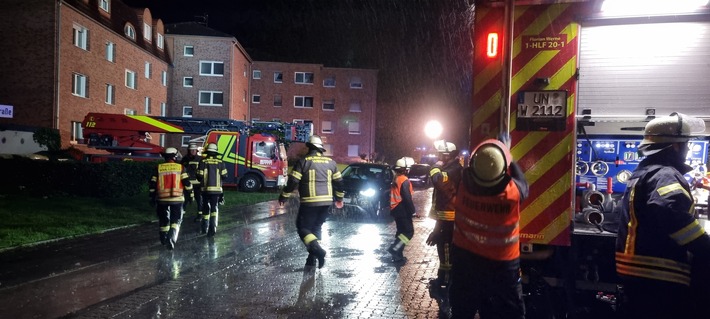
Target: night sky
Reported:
point(421, 48)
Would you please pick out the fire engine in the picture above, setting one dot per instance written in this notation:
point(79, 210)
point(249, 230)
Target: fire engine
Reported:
point(254, 152)
point(574, 83)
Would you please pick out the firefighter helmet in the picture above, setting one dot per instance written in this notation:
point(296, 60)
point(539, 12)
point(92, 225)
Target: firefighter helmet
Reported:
point(404, 163)
point(317, 142)
point(192, 147)
point(490, 162)
point(170, 153)
point(212, 148)
point(676, 128)
point(443, 146)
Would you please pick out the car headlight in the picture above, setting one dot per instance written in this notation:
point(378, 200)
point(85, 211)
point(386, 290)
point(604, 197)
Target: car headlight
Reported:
point(368, 192)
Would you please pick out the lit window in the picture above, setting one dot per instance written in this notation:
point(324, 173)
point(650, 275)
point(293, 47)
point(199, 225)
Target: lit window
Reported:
point(187, 111)
point(211, 98)
point(187, 81)
point(188, 50)
point(353, 127)
point(110, 51)
point(303, 101)
point(353, 150)
point(131, 79)
point(80, 85)
point(304, 78)
point(81, 37)
point(211, 68)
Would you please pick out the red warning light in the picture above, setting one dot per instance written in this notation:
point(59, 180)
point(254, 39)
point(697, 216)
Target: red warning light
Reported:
point(492, 45)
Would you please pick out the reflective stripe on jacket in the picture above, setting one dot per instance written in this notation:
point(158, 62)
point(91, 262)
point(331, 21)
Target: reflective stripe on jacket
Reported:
point(169, 183)
point(489, 225)
point(318, 180)
point(445, 180)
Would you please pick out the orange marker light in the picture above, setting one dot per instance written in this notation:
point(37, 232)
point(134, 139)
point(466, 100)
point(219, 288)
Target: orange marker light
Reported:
point(492, 45)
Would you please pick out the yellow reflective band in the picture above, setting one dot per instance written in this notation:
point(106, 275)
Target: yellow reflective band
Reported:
point(630, 246)
point(337, 175)
point(175, 225)
point(655, 262)
point(287, 195)
point(652, 274)
point(403, 238)
point(445, 177)
point(672, 187)
point(311, 182)
point(315, 199)
point(169, 128)
point(688, 233)
point(164, 228)
point(434, 171)
point(296, 175)
point(445, 214)
point(340, 194)
point(309, 238)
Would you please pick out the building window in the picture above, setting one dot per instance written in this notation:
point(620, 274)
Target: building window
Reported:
point(329, 82)
point(187, 111)
point(162, 140)
point(187, 81)
point(164, 78)
point(105, 5)
point(244, 99)
point(161, 41)
point(256, 75)
point(328, 149)
point(80, 85)
point(327, 127)
point(77, 133)
point(129, 112)
point(353, 128)
point(355, 82)
point(211, 68)
point(278, 77)
point(277, 100)
point(163, 109)
point(353, 150)
point(110, 51)
point(256, 98)
point(129, 31)
point(81, 37)
point(147, 32)
point(148, 71)
point(185, 141)
point(304, 78)
point(303, 101)
point(110, 94)
point(147, 105)
point(188, 50)
point(329, 105)
point(355, 106)
point(211, 98)
point(131, 79)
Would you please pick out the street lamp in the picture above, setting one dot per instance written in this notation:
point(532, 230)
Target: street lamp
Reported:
point(433, 129)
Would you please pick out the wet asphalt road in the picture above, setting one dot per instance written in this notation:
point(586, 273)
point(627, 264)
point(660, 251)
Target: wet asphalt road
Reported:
point(254, 270)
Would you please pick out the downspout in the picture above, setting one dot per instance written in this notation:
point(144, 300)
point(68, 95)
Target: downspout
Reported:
point(507, 66)
point(57, 59)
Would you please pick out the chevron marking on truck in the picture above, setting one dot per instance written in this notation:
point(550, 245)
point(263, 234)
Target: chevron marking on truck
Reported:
point(169, 128)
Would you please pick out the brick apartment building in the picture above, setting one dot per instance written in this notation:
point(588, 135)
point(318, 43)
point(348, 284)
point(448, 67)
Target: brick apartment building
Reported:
point(341, 103)
point(64, 58)
point(210, 75)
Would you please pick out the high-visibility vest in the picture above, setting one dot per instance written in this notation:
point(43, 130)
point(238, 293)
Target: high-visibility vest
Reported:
point(169, 183)
point(489, 225)
point(395, 194)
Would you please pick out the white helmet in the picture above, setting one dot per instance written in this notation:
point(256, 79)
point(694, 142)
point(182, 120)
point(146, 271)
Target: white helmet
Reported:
point(490, 161)
point(192, 147)
point(316, 142)
point(443, 146)
point(676, 128)
point(170, 153)
point(404, 163)
point(212, 148)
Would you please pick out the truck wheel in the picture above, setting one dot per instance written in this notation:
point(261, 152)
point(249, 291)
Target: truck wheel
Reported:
point(250, 183)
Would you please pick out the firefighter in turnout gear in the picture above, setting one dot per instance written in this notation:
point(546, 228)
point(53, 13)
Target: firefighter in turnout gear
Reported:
point(191, 161)
point(485, 250)
point(169, 188)
point(661, 249)
point(445, 179)
point(402, 209)
point(319, 182)
point(211, 171)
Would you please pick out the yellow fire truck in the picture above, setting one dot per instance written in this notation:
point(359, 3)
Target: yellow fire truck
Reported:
point(574, 83)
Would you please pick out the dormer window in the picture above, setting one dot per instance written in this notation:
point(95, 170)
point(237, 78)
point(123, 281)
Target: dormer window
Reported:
point(130, 31)
point(147, 32)
point(105, 5)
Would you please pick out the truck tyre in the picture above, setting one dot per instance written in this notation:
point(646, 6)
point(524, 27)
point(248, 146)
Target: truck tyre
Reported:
point(250, 183)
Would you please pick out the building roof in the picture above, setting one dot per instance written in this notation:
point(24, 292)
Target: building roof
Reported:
point(194, 28)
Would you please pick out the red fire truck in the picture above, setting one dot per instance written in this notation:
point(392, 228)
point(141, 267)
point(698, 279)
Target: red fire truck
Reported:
point(255, 153)
point(574, 83)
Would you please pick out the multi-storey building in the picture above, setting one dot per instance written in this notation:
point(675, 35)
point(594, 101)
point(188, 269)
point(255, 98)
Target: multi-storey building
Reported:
point(210, 76)
point(64, 58)
point(341, 103)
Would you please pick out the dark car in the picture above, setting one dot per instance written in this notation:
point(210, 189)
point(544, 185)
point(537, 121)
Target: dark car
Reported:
point(419, 175)
point(367, 189)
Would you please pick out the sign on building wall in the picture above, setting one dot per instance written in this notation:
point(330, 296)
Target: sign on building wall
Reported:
point(6, 111)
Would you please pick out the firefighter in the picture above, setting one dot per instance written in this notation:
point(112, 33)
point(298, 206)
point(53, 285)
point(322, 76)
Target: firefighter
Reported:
point(169, 187)
point(319, 182)
point(211, 171)
point(486, 252)
point(191, 161)
point(658, 232)
point(445, 177)
point(402, 209)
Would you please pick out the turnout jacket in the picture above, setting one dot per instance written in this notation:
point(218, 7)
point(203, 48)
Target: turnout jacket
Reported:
point(401, 203)
point(191, 162)
point(445, 180)
point(211, 172)
point(657, 228)
point(169, 183)
point(317, 179)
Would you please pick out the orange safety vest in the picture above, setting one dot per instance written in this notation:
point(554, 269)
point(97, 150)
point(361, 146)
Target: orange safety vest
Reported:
point(169, 184)
point(395, 195)
point(489, 225)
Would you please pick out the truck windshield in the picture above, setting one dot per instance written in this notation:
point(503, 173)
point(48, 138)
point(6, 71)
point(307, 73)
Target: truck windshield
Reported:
point(265, 149)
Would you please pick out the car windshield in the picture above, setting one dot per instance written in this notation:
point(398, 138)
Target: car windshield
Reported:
point(419, 170)
point(365, 173)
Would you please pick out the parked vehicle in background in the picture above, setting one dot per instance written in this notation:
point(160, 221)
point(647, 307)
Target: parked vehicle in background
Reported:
point(367, 189)
point(419, 175)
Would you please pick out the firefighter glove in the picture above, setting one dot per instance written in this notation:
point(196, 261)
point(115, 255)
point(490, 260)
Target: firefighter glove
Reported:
point(433, 238)
point(282, 200)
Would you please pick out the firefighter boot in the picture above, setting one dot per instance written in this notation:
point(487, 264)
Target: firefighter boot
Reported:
point(397, 252)
point(163, 237)
point(212, 229)
point(317, 251)
point(205, 224)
